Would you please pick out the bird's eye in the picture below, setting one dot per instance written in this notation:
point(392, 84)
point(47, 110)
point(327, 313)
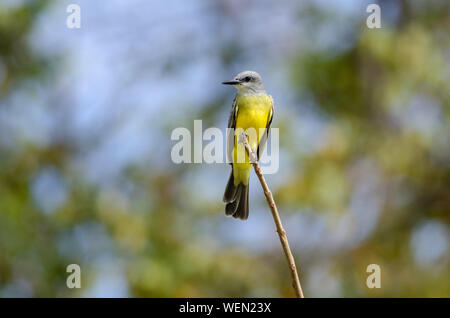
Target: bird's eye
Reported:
point(247, 79)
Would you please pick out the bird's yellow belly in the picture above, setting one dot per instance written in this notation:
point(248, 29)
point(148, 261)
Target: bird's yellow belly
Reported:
point(252, 122)
point(253, 114)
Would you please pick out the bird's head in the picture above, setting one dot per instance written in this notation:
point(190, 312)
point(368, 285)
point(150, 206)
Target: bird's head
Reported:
point(247, 82)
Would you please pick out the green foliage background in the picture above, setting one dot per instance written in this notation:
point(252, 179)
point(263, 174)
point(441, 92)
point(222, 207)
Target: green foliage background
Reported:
point(365, 154)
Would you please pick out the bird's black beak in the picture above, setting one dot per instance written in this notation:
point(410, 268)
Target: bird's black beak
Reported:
point(233, 82)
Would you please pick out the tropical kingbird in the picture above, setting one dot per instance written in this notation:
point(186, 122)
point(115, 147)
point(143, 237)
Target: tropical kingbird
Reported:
point(252, 110)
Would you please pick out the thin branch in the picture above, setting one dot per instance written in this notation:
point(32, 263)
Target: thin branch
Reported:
point(276, 217)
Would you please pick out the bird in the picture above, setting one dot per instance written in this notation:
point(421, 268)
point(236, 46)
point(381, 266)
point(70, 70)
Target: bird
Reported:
point(251, 111)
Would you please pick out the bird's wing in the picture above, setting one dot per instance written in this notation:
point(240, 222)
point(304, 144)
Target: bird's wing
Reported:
point(263, 141)
point(230, 133)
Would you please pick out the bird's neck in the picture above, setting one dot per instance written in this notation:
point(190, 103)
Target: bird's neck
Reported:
point(251, 91)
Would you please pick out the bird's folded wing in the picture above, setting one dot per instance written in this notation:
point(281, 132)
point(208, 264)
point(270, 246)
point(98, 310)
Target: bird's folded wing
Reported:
point(263, 141)
point(230, 132)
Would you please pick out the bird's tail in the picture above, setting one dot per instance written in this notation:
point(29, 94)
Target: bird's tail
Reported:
point(236, 199)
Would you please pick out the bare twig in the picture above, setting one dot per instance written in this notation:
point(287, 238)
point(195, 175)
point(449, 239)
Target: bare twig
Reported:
point(276, 217)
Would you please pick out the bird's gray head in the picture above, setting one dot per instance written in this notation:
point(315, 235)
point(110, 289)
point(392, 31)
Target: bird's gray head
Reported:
point(247, 82)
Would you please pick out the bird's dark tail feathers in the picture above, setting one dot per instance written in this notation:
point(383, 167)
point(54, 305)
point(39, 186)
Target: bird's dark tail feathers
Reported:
point(236, 199)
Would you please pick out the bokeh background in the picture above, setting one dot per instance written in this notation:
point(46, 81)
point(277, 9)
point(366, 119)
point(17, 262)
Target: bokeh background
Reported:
point(86, 177)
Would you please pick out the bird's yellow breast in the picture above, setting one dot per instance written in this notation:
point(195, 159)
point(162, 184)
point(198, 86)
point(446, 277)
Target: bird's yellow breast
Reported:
point(252, 111)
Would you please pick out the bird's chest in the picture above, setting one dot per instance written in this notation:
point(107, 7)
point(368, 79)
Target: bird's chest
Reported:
point(252, 112)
